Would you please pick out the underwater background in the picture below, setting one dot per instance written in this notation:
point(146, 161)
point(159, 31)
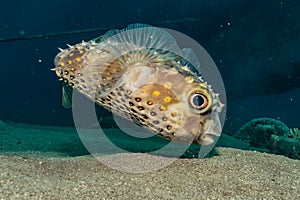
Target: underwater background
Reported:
point(255, 45)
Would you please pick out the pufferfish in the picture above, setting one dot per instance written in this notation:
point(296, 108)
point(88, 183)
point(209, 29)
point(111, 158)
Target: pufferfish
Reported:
point(141, 74)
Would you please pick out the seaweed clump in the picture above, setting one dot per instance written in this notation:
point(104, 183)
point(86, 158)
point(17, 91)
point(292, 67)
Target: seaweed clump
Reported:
point(271, 134)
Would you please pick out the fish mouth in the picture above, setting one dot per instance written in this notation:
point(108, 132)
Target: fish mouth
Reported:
point(212, 130)
point(213, 125)
point(208, 139)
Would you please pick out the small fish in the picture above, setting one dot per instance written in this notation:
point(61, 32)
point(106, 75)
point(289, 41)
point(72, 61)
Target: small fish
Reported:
point(141, 74)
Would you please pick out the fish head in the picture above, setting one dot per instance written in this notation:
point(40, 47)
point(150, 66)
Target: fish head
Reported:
point(176, 106)
point(201, 108)
point(201, 111)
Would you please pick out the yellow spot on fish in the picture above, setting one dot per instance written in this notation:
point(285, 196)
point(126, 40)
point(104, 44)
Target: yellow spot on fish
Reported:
point(79, 66)
point(62, 64)
point(71, 54)
point(72, 69)
point(69, 62)
point(167, 99)
point(77, 59)
point(162, 108)
point(189, 79)
point(156, 93)
point(173, 114)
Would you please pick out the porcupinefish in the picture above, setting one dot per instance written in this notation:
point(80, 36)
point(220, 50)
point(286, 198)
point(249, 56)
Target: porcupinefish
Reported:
point(141, 74)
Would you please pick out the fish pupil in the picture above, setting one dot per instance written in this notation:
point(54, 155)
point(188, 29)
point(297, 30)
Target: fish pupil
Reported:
point(198, 100)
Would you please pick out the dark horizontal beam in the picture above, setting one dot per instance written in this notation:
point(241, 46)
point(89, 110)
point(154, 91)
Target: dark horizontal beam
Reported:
point(64, 33)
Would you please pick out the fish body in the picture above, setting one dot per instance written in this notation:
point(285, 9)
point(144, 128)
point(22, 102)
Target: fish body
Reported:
point(141, 74)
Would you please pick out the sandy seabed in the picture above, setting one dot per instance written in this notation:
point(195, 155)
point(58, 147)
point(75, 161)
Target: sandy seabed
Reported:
point(230, 174)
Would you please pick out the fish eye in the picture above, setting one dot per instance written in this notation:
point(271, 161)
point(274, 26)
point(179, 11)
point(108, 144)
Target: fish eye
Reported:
point(200, 102)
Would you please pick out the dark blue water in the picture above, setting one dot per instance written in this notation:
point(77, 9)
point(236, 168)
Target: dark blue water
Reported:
point(255, 45)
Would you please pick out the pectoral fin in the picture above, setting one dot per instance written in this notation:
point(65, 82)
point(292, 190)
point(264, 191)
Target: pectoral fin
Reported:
point(67, 96)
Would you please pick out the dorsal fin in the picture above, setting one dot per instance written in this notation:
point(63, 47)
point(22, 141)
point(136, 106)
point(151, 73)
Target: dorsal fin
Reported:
point(138, 43)
point(156, 43)
point(113, 32)
point(190, 56)
point(190, 60)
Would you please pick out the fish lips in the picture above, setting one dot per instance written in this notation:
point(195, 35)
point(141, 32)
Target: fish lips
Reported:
point(212, 129)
